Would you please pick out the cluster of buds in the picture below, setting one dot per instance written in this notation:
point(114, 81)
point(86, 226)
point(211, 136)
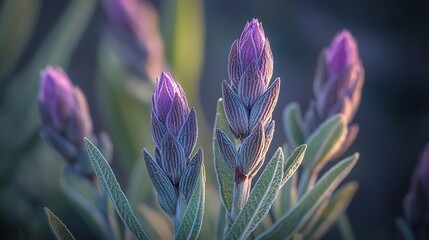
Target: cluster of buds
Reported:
point(174, 131)
point(133, 25)
point(416, 202)
point(249, 102)
point(337, 85)
point(66, 120)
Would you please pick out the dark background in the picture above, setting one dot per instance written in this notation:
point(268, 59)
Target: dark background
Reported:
point(393, 39)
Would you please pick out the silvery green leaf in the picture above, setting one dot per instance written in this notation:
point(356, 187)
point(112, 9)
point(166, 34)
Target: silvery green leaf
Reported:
point(58, 229)
point(293, 162)
point(293, 124)
point(404, 229)
point(108, 180)
point(190, 224)
point(224, 176)
point(221, 223)
point(287, 198)
point(325, 142)
point(336, 205)
point(292, 221)
point(260, 200)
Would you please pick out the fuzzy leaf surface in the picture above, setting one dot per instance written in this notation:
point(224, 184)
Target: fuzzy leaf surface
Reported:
point(292, 221)
point(325, 142)
point(260, 200)
point(108, 180)
point(225, 177)
point(190, 224)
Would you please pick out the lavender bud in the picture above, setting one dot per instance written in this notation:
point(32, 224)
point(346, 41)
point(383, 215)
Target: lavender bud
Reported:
point(416, 202)
point(339, 79)
point(165, 95)
point(249, 102)
point(253, 48)
point(174, 131)
point(66, 119)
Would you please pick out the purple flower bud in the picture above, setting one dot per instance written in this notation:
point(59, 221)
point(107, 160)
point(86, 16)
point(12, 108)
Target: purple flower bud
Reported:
point(250, 63)
point(63, 107)
point(168, 92)
point(416, 202)
point(339, 79)
point(341, 54)
point(66, 120)
point(57, 97)
point(174, 131)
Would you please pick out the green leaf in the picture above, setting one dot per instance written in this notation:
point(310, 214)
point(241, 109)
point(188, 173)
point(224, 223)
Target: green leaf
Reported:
point(325, 142)
point(336, 206)
point(190, 224)
point(287, 197)
point(260, 200)
point(293, 162)
point(292, 221)
point(108, 180)
point(58, 228)
point(293, 124)
point(405, 231)
point(225, 177)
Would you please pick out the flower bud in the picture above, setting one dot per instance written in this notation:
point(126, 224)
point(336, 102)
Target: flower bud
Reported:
point(339, 79)
point(250, 63)
point(249, 102)
point(63, 107)
point(174, 131)
point(169, 98)
point(66, 119)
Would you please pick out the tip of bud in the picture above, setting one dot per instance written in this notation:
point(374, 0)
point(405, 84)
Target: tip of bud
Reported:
point(341, 53)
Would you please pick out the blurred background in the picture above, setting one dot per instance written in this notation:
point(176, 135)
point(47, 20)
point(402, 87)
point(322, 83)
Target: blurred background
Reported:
point(115, 62)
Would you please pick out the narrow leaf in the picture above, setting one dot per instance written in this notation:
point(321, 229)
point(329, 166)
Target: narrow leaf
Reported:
point(337, 205)
point(108, 180)
point(190, 224)
point(290, 223)
point(58, 228)
point(293, 162)
point(260, 200)
point(293, 124)
point(325, 142)
point(224, 176)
